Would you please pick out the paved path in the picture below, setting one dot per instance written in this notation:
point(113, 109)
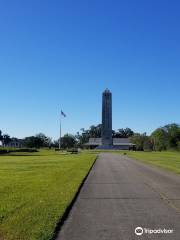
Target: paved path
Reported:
point(121, 194)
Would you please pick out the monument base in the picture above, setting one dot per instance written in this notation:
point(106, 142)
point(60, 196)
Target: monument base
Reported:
point(105, 147)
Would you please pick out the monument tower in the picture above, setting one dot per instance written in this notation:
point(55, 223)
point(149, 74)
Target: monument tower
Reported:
point(107, 119)
point(106, 141)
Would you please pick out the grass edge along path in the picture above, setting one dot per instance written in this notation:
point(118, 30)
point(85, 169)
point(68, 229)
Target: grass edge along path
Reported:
point(69, 207)
point(169, 161)
point(35, 191)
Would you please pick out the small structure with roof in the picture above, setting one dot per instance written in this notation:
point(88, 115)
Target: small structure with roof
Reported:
point(118, 144)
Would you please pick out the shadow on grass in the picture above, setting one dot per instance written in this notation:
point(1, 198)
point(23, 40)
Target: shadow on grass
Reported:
point(17, 155)
point(31, 155)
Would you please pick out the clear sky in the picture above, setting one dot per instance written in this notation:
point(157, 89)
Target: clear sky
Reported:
point(62, 54)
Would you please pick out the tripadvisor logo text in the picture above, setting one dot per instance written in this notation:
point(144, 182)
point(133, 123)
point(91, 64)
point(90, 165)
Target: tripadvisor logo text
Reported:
point(140, 231)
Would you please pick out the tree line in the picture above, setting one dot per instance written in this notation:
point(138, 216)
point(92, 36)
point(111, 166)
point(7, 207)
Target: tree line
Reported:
point(163, 138)
point(37, 141)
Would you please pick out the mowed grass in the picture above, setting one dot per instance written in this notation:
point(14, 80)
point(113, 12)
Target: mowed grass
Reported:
point(166, 160)
point(35, 190)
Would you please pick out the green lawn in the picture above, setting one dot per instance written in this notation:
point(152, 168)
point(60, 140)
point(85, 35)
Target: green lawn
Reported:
point(35, 190)
point(166, 160)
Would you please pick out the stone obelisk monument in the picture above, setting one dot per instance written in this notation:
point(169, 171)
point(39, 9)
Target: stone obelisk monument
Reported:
point(107, 119)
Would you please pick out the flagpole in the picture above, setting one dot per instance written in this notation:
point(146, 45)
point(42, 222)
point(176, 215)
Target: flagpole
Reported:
point(64, 115)
point(60, 135)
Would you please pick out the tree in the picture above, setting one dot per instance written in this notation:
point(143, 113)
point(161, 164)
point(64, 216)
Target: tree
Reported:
point(37, 141)
point(160, 139)
point(173, 133)
point(46, 141)
point(83, 136)
point(147, 143)
point(6, 139)
point(166, 137)
point(68, 141)
point(55, 143)
point(128, 132)
point(140, 140)
point(33, 142)
point(123, 133)
point(1, 136)
point(94, 131)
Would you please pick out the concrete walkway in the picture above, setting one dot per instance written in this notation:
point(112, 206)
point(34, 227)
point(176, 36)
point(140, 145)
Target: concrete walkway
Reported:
point(121, 194)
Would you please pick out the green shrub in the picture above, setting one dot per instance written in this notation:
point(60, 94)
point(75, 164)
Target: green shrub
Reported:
point(4, 150)
point(26, 150)
point(178, 145)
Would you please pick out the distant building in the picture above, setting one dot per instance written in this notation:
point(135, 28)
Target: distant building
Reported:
point(15, 143)
point(118, 143)
point(106, 141)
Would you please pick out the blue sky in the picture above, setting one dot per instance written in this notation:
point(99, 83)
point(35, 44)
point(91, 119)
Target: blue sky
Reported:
point(62, 54)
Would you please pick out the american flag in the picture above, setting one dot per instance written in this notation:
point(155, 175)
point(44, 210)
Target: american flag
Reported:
point(63, 114)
